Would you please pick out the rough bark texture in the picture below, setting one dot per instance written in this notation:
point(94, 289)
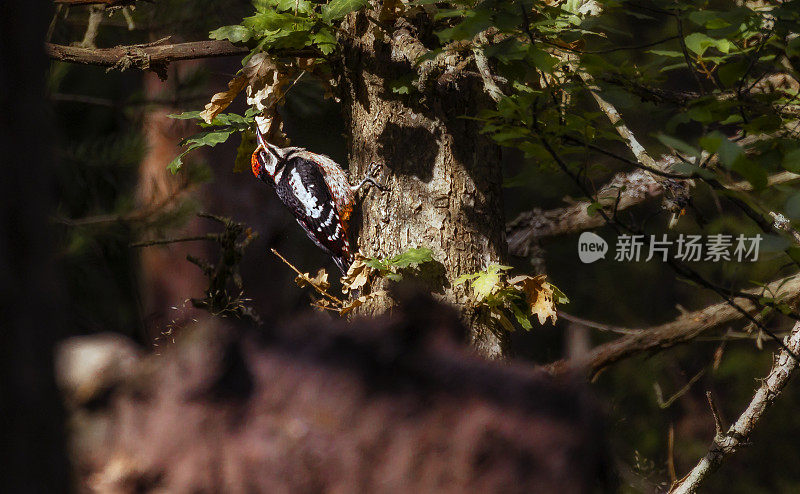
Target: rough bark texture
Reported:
point(445, 178)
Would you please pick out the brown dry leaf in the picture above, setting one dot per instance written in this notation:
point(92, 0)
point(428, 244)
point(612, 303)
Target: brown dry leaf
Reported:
point(324, 304)
point(263, 81)
point(220, 101)
point(264, 91)
point(320, 280)
point(538, 294)
point(357, 276)
point(357, 302)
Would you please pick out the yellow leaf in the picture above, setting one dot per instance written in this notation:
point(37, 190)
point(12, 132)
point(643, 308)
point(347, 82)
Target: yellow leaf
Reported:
point(320, 280)
point(485, 284)
point(538, 295)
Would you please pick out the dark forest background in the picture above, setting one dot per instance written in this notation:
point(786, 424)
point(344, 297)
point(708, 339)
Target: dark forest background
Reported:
point(112, 140)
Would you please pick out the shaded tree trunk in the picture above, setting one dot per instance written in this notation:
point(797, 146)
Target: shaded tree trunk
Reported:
point(31, 313)
point(445, 177)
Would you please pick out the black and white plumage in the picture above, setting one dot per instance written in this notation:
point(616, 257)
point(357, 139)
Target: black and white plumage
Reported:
point(317, 192)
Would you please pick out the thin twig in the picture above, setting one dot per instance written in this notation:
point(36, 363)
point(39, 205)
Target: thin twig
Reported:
point(783, 368)
point(686, 56)
point(308, 280)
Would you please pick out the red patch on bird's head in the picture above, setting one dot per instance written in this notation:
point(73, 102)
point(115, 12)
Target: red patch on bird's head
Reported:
point(255, 165)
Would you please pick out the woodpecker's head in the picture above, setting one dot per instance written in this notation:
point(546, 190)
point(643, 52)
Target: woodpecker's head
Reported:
point(268, 159)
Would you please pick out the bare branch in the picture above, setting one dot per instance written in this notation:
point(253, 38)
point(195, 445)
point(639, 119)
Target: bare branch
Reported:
point(482, 63)
point(782, 223)
point(143, 56)
point(536, 224)
point(784, 366)
point(683, 329)
point(616, 120)
point(150, 56)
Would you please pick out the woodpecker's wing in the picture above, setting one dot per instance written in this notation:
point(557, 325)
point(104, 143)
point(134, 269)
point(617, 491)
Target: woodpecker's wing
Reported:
point(303, 189)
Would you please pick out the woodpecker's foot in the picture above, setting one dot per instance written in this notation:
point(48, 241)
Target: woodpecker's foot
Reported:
point(369, 178)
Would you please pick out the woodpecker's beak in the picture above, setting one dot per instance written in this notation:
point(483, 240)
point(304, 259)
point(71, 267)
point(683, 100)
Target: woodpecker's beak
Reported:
point(266, 157)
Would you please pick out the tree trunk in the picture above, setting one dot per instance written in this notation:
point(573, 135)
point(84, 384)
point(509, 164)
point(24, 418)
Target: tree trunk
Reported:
point(31, 311)
point(445, 177)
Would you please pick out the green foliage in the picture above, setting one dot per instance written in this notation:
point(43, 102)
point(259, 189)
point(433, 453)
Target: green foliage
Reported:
point(282, 24)
point(391, 268)
point(222, 127)
point(523, 296)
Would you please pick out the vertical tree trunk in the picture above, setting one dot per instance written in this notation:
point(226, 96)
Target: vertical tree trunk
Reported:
point(31, 310)
point(445, 177)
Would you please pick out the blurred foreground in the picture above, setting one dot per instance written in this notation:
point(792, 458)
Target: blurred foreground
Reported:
point(396, 404)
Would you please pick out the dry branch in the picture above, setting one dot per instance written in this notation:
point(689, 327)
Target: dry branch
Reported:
point(685, 328)
point(143, 56)
point(530, 226)
point(724, 445)
point(632, 188)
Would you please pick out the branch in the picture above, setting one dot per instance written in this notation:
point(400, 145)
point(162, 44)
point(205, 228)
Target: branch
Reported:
point(152, 57)
point(616, 121)
point(683, 329)
point(784, 366)
point(530, 226)
point(482, 63)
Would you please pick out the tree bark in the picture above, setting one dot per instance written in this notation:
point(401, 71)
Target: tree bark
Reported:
point(445, 177)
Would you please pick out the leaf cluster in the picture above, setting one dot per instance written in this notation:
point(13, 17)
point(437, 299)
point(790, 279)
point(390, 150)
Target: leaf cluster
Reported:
point(290, 24)
point(524, 296)
point(219, 130)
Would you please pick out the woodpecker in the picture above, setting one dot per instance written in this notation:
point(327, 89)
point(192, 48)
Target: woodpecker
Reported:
point(317, 192)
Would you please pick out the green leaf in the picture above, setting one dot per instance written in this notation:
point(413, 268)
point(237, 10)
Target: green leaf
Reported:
point(208, 138)
point(732, 73)
point(791, 161)
point(751, 171)
point(235, 33)
point(700, 42)
point(792, 208)
point(793, 47)
point(416, 256)
point(464, 277)
point(593, 208)
point(244, 152)
point(403, 85)
point(187, 115)
point(325, 40)
point(521, 317)
point(558, 295)
point(486, 282)
point(729, 151)
point(542, 60)
point(677, 144)
point(666, 53)
point(337, 9)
